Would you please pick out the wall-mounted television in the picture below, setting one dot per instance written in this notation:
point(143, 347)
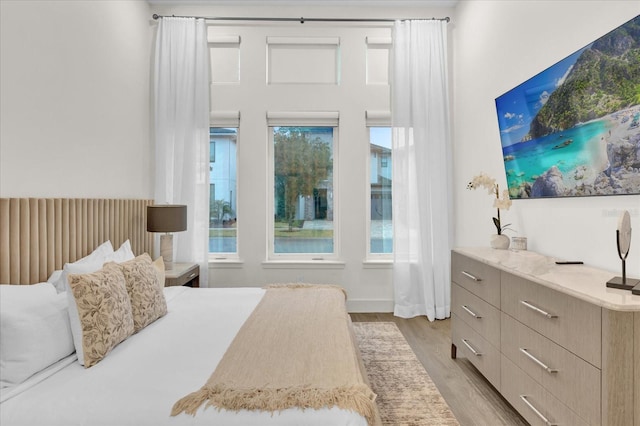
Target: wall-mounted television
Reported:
point(574, 128)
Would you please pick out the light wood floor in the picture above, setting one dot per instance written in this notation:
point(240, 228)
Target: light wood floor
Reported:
point(471, 398)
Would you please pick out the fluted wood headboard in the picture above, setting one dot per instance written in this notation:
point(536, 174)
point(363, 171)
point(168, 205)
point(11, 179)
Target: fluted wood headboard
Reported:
point(40, 235)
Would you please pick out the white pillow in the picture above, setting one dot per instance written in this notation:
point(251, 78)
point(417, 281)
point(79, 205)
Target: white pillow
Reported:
point(55, 276)
point(84, 265)
point(34, 330)
point(123, 254)
point(160, 272)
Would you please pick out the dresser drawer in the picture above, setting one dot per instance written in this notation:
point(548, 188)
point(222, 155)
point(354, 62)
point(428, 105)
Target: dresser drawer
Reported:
point(183, 274)
point(477, 277)
point(478, 314)
point(572, 323)
point(483, 355)
point(572, 380)
point(532, 401)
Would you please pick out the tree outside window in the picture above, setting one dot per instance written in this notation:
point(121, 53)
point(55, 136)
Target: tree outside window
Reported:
point(303, 189)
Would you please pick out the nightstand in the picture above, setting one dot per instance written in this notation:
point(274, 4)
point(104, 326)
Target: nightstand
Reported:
point(183, 274)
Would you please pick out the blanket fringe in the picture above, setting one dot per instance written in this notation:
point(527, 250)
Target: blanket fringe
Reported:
point(358, 398)
point(189, 404)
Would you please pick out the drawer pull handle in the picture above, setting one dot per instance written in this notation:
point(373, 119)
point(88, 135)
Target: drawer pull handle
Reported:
point(470, 312)
point(192, 275)
point(538, 310)
point(473, 277)
point(536, 411)
point(471, 348)
point(537, 361)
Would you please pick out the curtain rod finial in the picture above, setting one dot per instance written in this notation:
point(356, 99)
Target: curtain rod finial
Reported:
point(156, 16)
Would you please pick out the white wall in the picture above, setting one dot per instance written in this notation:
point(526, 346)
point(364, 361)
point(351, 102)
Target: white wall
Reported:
point(75, 114)
point(75, 99)
point(368, 284)
point(498, 45)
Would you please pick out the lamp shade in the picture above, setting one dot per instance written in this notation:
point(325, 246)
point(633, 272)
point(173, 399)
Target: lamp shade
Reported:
point(166, 218)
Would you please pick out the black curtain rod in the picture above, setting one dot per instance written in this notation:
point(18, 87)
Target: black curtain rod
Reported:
point(301, 19)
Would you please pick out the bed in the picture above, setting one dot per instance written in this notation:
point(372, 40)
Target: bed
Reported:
point(190, 349)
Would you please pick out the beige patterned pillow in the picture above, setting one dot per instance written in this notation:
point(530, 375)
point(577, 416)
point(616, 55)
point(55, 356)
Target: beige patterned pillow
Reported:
point(160, 272)
point(104, 311)
point(147, 299)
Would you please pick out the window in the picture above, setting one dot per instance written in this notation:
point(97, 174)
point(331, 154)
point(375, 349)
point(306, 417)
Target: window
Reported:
point(222, 184)
point(380, 171)
point(303, 190)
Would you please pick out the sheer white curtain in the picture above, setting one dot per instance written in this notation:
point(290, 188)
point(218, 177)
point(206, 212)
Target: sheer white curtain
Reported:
point(182, 132)
point(421, 170)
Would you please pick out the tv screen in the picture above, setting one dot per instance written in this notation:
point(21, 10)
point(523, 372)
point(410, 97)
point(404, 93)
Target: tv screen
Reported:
point(574, 128)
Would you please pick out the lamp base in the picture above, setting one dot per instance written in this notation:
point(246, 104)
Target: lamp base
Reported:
point(166, 250)
point(623, 284)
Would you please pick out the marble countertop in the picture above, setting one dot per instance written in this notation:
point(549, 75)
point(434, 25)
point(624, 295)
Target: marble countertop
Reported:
point(581, 281)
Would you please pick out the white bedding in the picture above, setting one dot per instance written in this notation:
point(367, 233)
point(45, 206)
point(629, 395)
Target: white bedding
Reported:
point(141, 379)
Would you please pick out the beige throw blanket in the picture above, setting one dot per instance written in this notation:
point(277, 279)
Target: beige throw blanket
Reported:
point(294, 350)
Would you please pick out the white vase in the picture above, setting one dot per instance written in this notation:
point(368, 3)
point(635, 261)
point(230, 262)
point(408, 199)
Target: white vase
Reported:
point(500, 242)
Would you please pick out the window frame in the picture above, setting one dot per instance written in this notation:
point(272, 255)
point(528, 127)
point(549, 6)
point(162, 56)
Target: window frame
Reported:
point(294, 120)
point(377, 119)
point(229, 120)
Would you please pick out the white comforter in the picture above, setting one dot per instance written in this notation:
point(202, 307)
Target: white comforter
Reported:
point(141, 379)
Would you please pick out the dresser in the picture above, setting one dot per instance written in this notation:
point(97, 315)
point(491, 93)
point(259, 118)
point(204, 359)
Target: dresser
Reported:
point(558, 344)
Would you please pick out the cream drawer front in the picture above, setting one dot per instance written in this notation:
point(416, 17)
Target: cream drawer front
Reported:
point(477, 277)
point(478, 314)
point(569, 378)
point(484, 356)
point(532, 401)
point(572, 323)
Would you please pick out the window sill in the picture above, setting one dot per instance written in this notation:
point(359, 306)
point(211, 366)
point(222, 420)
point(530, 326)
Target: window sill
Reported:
point(231, 263)
point(303, 264)
point(377, 264)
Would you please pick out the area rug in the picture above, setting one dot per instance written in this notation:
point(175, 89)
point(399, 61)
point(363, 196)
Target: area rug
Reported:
point(406, 394)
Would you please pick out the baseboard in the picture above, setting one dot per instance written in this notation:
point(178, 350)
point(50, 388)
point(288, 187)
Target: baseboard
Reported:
point(370, 305)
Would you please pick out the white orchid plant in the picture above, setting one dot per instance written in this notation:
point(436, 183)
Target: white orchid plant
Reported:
point(484, 181)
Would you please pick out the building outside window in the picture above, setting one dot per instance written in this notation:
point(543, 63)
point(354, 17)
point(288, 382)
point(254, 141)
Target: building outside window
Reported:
point(303, 190)
point(222, 195)
point(380, 219)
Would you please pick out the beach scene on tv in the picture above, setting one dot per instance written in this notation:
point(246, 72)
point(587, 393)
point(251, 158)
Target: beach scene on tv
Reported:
point(574, 129)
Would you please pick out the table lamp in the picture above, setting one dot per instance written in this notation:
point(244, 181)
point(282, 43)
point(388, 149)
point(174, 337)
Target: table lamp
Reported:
point(166, 218)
